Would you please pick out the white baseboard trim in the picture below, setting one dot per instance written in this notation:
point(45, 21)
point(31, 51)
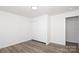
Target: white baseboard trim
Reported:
point(58, 43)
point(11, 44)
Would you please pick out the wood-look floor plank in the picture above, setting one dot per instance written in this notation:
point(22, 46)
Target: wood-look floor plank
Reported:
point(34, 47)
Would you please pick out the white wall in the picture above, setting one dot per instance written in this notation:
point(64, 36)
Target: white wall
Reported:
point(58, 27)
point(13, 29)
point(40, 28)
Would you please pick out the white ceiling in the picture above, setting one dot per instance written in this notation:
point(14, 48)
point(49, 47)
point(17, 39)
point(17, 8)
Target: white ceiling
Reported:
point(28, 12)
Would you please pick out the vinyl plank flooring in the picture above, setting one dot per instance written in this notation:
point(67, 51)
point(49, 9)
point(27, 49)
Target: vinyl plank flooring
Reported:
point(34, 47)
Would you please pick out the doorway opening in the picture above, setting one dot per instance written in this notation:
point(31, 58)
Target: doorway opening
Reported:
point(72, 33)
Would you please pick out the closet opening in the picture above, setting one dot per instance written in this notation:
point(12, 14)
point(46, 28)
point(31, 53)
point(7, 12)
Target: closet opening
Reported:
point(72, 33)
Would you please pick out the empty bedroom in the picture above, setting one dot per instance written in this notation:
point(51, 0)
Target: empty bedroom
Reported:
point(39, 29)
